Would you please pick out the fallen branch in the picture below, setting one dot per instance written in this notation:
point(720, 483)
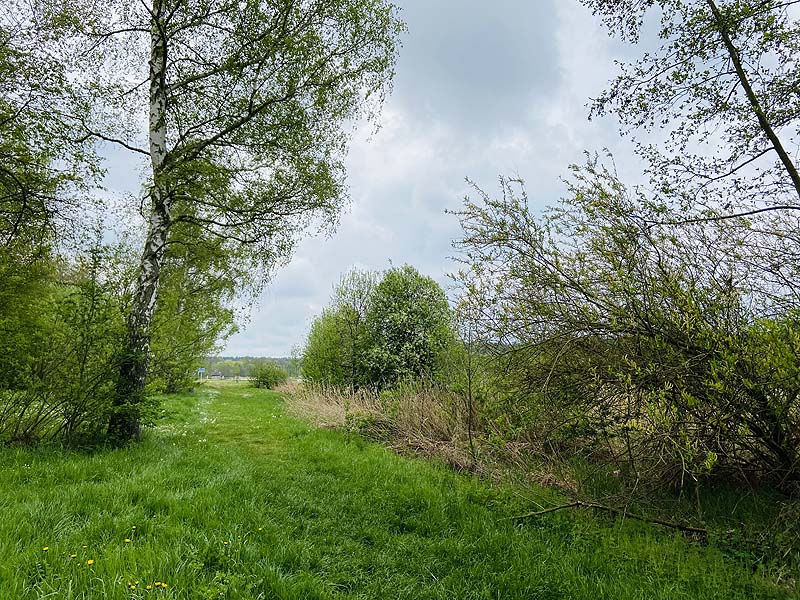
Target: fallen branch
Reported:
point(616, 511)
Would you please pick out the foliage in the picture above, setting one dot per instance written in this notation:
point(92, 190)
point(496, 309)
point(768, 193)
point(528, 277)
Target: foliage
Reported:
point(336, 349)
point(62, 383)
point(409, 327)
point(717, 94)
point(380, 333)
point(658, 347)
point(193, 315)
point(324, 356)
point(43, 163)
point(269, 376)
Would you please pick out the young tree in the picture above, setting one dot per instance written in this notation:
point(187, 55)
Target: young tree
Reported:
point(409, 327)
point(193, 314)
point(351, 299)
point(246, 106)
point(336, 346)
point(723, 86)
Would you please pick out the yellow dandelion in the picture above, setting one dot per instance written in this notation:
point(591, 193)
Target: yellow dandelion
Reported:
point(261, 529)
point(46, 548)
point(90, 561)
point(148, 587)
point(84, 547)
point(127, 541)
point(136, 582)
point(73, 555)
point(158, 584)
point(225, 543)
point(134, 527)
point(133, 587)
point(163, 585)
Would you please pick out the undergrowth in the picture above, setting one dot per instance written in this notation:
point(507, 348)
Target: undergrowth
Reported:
point(758, 528)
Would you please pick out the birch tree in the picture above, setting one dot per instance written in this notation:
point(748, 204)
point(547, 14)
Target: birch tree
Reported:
point(242, 111)
point(720, 96)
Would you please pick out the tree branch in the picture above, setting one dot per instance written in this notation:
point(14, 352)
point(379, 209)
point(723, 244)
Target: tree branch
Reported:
point(766, 126)
point(615, 511)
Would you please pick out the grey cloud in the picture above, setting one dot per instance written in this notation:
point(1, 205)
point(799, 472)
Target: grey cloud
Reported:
point(482, 89)
point(475, 64)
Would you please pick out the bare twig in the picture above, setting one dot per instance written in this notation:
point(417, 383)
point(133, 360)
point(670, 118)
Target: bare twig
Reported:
point(615, 511)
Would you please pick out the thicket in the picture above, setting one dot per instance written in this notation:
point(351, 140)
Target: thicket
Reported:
point(379, 332)
point(666, 351)
point(62, 329)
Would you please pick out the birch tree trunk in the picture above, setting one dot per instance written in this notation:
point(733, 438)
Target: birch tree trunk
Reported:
point(125, 420)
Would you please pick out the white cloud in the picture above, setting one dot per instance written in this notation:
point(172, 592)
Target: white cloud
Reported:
point(481, 90)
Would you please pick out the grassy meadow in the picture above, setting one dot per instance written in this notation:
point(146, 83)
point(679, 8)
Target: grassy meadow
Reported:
point(230, 497)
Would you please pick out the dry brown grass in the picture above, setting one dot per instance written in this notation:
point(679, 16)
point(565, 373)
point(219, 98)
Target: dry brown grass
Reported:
point(419, 420)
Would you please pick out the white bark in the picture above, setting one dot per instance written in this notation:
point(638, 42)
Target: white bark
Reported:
point(133, 371)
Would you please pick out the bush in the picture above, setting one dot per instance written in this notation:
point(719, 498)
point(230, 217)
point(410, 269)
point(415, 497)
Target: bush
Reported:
point(663, 350)
point(379, 335)
point(269, 376)
point(63, 387)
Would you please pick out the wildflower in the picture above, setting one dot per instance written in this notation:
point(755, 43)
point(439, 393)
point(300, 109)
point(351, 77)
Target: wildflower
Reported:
point(226, 543)
point(46, 548)
point(148, 587)
point(261, 529)
point(127, 541)
point(84, 547)
point(158, 584)
point(73, 555)
point(163, 585)
point(90, 561)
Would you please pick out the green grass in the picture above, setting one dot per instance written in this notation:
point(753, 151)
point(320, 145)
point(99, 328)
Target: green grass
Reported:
point(231, 498)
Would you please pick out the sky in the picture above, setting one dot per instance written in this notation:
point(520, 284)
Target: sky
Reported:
point(481, 90)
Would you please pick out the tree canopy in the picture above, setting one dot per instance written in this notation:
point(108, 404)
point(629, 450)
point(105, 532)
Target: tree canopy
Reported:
point(243, 110)
point(719, 94)
point(379, 333)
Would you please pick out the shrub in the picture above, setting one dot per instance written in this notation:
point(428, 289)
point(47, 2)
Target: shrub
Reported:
point(664, 350)
point(269, 376)
point(64, 391)
point(381, 335)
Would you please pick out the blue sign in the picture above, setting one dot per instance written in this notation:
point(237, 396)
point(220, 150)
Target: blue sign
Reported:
point(201, 370)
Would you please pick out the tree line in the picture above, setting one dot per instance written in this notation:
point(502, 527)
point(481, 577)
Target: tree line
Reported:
point(248, 366)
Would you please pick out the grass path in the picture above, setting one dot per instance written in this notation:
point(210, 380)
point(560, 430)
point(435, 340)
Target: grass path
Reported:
point(228, 497)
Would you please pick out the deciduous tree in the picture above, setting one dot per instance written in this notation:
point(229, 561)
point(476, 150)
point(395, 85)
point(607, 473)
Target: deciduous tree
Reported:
point(722, 87)
point(241, 109)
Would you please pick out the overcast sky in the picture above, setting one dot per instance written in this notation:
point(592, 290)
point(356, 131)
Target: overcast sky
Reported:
point(481, 90)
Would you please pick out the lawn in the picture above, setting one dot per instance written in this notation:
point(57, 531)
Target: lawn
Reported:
point(229, 497)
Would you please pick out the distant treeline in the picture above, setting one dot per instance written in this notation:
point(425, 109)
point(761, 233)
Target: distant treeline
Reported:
point(246, 366)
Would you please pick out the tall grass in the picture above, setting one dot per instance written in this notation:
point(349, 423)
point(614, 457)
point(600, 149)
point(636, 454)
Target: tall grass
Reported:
point(229, 497)
point(760, 527)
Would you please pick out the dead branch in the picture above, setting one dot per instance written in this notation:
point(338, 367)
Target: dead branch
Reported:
point(615, 511)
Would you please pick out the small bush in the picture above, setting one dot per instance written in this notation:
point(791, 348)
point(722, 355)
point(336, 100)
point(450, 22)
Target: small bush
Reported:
point(269, 376)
